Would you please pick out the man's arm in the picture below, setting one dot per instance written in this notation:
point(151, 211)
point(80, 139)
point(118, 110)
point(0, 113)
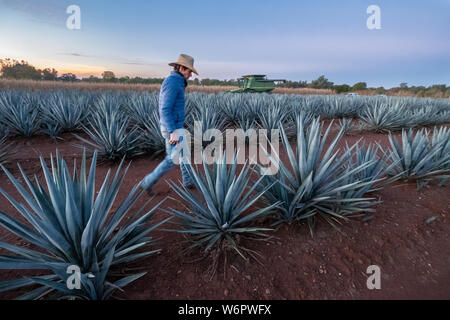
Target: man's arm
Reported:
point(168, 96)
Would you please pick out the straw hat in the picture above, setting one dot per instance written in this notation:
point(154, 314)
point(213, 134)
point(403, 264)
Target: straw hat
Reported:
point(185, 61)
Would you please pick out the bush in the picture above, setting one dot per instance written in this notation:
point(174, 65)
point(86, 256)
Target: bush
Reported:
point(342, 88)
point(359, 86)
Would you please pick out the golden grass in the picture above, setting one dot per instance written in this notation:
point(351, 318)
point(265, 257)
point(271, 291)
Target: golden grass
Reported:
point(52, 85)
point(303, 91)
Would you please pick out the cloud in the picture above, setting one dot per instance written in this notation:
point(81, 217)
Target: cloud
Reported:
point(115, 59)
point(76, 54)
point(46, 11)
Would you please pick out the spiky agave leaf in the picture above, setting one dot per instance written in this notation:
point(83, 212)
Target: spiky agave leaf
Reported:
point(223, 209)
point(208, 119)
point(152, 137)
point(275, 116)
point(311, 185)
point(375, 174)
point(441, 137)
point(69, 225)
point(345, 124)
point(232, 109)
point(301, 116)
point(418, 158)
point(51, 128)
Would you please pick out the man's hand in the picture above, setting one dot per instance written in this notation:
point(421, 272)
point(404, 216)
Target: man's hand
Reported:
point(173, 139)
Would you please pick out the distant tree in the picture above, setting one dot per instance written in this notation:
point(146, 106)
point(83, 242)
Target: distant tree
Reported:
point(108, 76)
point(13, 69)
point(403, 85)
point(359, 86)
point(294, 84)
point(438, 87)
point(68, 77)
point(49, 74)
point(136, 80)
point(380, 90)
point(342, 88)
point(321, 83)
point(91, 79)
point(125, 79)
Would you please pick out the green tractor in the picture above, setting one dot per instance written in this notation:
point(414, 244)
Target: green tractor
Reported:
point(256, 83)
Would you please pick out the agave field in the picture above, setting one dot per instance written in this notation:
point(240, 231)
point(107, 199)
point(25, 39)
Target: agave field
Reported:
point(362, 181)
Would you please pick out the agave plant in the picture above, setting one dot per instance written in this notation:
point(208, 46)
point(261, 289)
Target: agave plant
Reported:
point(418, 158)
point(71, 225)
point(110, 133)
point(312, 186)
point(66, 111)
point(376, 172)
point(337, 107)
point(19, 112)
point(232, 109)
point(384, 116)
point(275, 116)
point(142, 107)
point(224, 210)
point(255, 103)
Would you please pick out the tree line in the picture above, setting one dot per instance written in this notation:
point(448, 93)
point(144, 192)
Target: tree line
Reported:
point(14, 69)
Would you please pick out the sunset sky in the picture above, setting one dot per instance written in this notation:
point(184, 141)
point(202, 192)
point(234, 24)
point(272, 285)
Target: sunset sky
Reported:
point(291, 39)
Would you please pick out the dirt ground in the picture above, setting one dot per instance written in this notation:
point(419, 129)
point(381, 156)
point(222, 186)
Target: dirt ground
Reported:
point(412, 252)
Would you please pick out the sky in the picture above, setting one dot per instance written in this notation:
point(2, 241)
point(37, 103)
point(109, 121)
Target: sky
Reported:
point(287, 39)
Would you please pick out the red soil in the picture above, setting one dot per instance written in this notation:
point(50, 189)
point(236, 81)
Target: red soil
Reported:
point(413, 255)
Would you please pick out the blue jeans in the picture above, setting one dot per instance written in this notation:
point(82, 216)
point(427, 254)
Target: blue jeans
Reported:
point(165, 166)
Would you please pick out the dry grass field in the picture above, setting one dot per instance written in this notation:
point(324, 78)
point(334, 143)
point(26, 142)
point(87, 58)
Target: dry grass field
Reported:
point(88, 86)
point(52, 85)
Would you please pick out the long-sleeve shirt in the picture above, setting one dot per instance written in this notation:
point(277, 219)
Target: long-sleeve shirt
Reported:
point(171, 102)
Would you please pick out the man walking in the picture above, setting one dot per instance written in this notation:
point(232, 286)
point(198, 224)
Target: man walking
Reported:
point(171, 115)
